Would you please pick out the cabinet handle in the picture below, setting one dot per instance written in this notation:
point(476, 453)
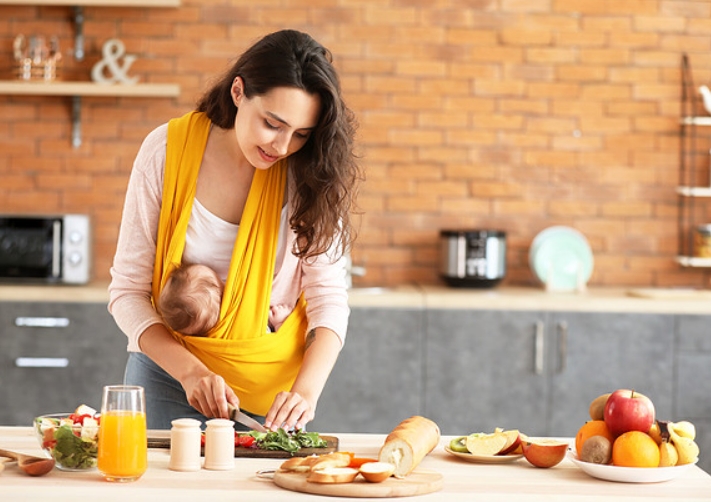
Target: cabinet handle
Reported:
point(42, 322)
point(41, 362)
point(562, 345)
point(56, 247)
point(540, 342)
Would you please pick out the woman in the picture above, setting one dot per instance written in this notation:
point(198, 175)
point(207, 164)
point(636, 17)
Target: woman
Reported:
point(257, 183)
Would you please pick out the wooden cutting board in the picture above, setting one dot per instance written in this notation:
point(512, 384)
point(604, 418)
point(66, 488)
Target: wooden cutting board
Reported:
point(417, 483)
point(241, 451)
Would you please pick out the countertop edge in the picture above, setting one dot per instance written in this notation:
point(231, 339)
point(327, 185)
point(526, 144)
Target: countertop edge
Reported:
point(421, 297)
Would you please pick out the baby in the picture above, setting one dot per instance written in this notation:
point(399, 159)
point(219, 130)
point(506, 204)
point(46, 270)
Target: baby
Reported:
point(190, 300)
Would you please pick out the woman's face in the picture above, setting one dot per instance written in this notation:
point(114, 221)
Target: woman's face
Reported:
point(274, 125)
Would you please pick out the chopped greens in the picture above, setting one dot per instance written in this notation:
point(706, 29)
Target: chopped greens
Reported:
point(72, 451)
point(288, 441)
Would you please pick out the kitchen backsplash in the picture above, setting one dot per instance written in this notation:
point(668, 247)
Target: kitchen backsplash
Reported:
point(509, 114)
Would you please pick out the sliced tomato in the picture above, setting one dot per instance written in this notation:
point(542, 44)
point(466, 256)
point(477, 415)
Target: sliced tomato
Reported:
point(246, 440)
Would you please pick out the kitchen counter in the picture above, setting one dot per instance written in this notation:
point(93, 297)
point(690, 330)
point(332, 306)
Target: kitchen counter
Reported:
point(632, 300)
point(463, 481)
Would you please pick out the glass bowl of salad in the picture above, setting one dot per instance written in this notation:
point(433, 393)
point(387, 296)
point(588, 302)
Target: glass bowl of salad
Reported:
point(71, 439)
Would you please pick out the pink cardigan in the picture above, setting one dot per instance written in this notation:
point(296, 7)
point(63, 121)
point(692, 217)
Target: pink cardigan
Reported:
point(322, 280)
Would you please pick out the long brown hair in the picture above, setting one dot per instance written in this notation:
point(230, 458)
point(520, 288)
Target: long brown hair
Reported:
point(325, 170)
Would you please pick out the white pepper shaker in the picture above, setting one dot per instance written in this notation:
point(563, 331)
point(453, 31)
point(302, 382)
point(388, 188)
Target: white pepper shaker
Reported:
point(185, 445)
point(219, 445)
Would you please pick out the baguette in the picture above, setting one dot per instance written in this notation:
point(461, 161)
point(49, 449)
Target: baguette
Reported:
point(408, 444)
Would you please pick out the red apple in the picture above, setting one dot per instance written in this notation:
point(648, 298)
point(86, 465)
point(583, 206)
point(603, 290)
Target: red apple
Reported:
point(544, 452)
point(513, 441)
point(627, 410)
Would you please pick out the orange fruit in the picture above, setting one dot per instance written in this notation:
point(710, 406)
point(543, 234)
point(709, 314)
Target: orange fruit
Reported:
point(590, 429)
point(635, 449)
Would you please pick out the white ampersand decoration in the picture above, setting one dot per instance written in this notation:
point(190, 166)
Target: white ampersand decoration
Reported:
point(113, 50)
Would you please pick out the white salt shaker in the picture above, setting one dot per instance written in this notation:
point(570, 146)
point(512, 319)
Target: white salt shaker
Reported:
point(185, 445)
point(219, 445)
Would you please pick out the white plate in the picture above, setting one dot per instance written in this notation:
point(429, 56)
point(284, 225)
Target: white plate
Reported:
point(561, 258)
point(630, 474)
point(484, 459)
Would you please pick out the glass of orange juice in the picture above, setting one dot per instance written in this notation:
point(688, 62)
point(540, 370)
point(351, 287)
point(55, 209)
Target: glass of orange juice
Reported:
point(123, 448)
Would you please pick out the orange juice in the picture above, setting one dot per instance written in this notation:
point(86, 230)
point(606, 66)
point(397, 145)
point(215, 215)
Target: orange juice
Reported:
point(123, 450)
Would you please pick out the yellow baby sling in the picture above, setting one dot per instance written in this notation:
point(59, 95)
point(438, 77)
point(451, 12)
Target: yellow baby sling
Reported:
point(254, 363)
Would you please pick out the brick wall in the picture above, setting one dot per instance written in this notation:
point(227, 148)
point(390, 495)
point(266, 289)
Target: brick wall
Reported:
point(508, 114)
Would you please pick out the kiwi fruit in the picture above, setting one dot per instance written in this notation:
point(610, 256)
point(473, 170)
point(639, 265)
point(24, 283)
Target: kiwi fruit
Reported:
point(597, 407)
point(596, 450)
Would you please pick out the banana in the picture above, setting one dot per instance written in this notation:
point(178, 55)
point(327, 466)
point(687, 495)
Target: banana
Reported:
point(687, 449)
point(684, 428)
point(655, 432)
point(668, 456)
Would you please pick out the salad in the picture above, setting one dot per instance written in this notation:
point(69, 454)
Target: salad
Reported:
point(71, 440)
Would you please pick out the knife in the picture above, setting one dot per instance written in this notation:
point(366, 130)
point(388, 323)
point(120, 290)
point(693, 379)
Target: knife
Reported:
point(238, 416)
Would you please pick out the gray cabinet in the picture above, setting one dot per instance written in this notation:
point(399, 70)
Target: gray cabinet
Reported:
point(377, 381)
point(485, 369)
point(539, 371)
point(56, 356)
point(594, 353)
point(692, 387)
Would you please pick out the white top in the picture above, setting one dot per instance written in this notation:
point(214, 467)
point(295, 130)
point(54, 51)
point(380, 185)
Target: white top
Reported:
point(210, 240)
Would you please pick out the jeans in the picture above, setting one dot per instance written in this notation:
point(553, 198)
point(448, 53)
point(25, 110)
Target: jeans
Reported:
point(165, 397)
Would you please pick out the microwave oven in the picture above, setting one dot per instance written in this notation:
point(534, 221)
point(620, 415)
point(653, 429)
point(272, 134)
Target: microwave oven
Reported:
point(45, 248)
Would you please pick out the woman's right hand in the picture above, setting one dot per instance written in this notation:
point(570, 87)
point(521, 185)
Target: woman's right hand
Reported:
point(208, 393)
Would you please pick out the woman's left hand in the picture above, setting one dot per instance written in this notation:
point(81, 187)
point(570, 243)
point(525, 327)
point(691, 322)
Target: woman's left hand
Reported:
point(290, 410)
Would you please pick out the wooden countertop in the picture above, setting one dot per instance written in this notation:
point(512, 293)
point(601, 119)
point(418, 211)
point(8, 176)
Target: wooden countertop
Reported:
point(463, 481)
point(633, 300)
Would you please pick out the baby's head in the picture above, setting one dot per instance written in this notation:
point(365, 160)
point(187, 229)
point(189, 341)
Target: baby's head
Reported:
point(190, 300)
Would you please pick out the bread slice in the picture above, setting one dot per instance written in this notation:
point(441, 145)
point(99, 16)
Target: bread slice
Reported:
point(376, 472)
point(409, 443)
point(335, 459)
point(333, 475)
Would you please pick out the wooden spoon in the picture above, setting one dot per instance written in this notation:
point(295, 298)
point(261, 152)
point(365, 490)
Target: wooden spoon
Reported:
point(34, 466)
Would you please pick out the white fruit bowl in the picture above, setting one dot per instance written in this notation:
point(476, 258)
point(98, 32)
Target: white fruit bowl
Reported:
point(629, 474)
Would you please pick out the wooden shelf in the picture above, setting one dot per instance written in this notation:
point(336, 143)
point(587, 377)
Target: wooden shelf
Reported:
point(692, 261)
point(96, 3)
point(77, 90)
point(694, 191)
point(698, 121)
point(59, 88)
